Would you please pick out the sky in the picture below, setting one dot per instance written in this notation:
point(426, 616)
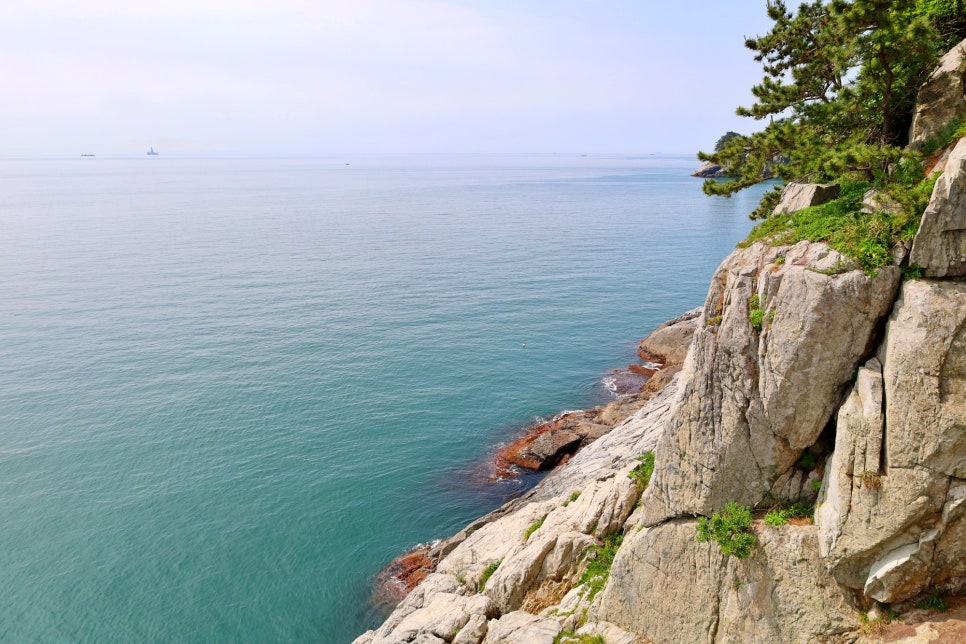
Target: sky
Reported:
point(198, 77)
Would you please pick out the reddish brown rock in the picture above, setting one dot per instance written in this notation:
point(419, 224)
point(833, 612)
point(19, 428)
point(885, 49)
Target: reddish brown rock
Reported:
point(641, 370)
point(402, 575)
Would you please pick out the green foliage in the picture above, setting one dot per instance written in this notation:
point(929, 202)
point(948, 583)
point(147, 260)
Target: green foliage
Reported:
point(488, 572)
point(933, 601)
point(533, 527)
point(714, 321)
point(913, 272)
point(777, 517)
point(817, 486)
point(838, 90)
point(573, 497)
point(599, 560)
point(948, 17)
point(807, 461)
point(756, 317)
point(569, 637)
point(642, 473)
point(950, 132)
point(867, 238)
point(875, 626)
point(780, 259)
point(725, 138)
point(783, 512)
point(729, 528)
point(755, 313)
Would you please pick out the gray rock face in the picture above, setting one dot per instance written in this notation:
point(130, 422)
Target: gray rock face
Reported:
point(669, 343)
point(941, 98)
point(940, 244)
point(894, 514)
point(798, 196)
point(518, 627)
point(669, 588)
point(709, 169)
point(750, 401)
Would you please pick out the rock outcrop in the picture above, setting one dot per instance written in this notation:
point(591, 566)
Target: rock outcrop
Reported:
point(940, 244)
point(798, 196)
point(941, 99)
point(709, 170)
point(752, 399)
point(669, 588)
point(893, 522)
point(806, 379)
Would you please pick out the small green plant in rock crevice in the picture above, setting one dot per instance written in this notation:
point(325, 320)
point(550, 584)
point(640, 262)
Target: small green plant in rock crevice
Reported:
point(599, 560)
point(933, 601)
point(729, 529)
point(755, 313)
point(913, 272)
point(488, 572)
point(534, 527)
point(780, 515)
point(807, 461)
point(570, 637)
point(642, 473)
point(573, 497)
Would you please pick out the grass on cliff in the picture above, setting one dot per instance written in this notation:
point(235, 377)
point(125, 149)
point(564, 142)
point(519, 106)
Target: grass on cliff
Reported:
point(729, 529)
point(533, 527)
point(642, 473)
point(599, 560)
point(488, 572)
point(570, 637)
point(867, 238)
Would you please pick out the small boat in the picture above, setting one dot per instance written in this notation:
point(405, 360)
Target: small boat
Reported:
point(88, 155)
point(152, 153)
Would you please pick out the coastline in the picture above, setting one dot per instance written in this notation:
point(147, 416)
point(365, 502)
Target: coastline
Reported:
point(547, 446)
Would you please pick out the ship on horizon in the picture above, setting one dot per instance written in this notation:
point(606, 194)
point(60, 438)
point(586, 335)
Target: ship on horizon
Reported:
point(152, 153)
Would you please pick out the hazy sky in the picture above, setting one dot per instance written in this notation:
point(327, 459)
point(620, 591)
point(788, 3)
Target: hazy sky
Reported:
point(317, 76)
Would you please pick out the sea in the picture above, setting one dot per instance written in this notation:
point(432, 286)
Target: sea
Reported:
point(233, 389)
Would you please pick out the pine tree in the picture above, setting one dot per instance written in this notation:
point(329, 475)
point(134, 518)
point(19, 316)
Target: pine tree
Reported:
point(839, 87)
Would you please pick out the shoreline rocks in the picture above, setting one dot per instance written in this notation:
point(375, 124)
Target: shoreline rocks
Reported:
point(552, 443)
point(549, 444)
point(795, 351)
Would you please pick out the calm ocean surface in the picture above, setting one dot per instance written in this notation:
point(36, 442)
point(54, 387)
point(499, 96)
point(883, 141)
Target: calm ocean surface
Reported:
point(231, 390)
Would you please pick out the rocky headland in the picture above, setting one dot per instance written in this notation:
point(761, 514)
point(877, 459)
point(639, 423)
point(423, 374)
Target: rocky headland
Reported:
point(810, 387)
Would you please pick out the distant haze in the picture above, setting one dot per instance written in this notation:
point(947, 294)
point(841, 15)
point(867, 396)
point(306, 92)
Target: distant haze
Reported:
point(196, 77)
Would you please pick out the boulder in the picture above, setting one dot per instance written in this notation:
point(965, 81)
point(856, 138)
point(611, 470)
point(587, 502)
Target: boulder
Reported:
point(669, 343)
point(750, 401)
point(893, 518)
point(519, 626)
point(875, 201)
point(941, 98)
point(438, 607)
point(798, 196)
point(668, 587)
point(940, 243)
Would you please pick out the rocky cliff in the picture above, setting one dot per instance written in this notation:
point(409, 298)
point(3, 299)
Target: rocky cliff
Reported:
point(810, 388)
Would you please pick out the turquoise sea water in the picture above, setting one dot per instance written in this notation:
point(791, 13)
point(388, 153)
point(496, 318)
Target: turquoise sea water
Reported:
point(231, 390)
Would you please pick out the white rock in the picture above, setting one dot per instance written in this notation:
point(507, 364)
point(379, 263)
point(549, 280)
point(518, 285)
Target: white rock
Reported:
point(520, 627)
point(798, 196)
point(941, 98)
point(940, 243)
